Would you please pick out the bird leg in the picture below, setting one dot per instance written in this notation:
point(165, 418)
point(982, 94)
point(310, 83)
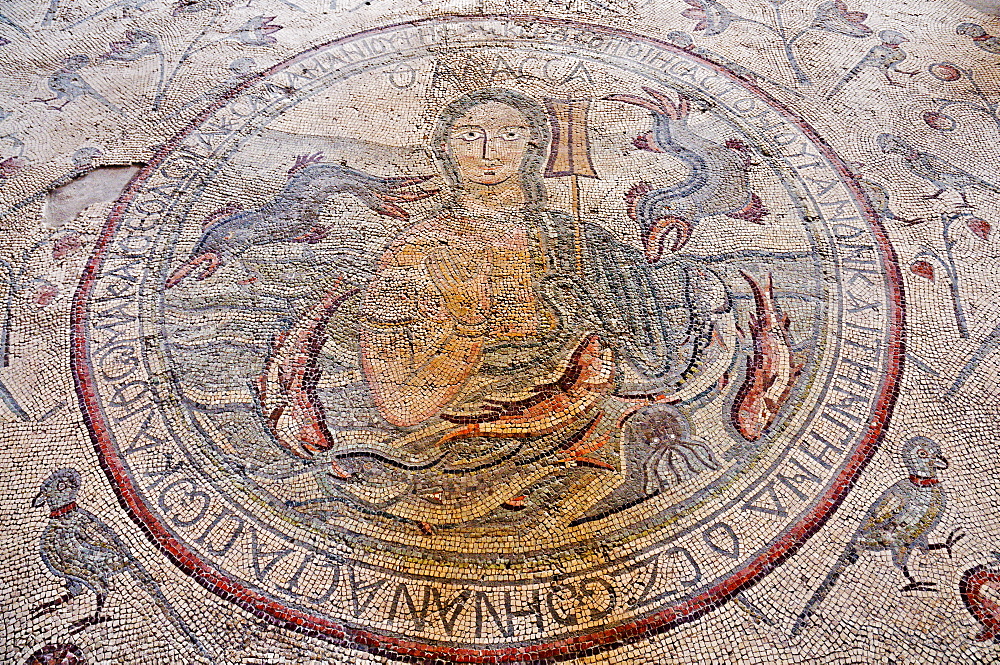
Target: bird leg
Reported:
point(914, 585)
point(92, 620)
point(953, 538)
point(935, 195)
point(50, 606)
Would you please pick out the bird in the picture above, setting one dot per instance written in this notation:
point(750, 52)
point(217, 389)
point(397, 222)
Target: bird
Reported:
point(885, 57)
point(898, 521)
point(68, 84)
point(716, 183)
point(942, 174)
point(85, 552)
point(982, 39)
point(292, 215)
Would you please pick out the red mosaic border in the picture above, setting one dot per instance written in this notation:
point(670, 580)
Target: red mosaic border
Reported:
point(261, 606)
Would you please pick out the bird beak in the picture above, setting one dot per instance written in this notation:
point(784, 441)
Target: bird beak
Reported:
point(940, 462)
point(38, 501)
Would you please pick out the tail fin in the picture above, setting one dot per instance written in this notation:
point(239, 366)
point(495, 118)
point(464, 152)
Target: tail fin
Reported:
point(846, 559)
point(147, 582)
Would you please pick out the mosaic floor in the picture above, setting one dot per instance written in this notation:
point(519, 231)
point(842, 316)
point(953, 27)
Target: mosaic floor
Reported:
point(603, 331)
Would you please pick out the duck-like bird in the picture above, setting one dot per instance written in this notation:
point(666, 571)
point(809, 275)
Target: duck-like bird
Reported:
point(716, 184)
point(942, 174)
point(85, 552)
point(293, 215)
point(898, 521)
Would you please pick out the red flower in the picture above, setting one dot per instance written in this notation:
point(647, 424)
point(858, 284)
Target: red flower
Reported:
point(939, 121)
point(712, 17)
point(923, 269)
point(833, 16)
point(980, 227)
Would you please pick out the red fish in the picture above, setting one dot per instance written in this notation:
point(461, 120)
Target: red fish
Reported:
point(287, 387)
point(771, 370)
point(553, 406)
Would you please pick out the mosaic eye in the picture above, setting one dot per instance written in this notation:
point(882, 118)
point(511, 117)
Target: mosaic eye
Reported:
point(469, 135)
point(514, 134)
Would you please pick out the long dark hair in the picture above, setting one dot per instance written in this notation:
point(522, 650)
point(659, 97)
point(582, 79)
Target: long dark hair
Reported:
point(535, 153)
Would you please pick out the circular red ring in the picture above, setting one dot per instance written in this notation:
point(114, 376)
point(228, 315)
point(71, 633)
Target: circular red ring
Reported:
point(787, 544)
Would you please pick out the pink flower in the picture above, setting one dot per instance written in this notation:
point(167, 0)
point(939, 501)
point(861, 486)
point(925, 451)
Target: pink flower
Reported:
point(66, 244)
point(138, 44)
point(45, 294)
point(980, 227)
point(10, 166)
point(713, 18)
point(833, 16)
point(923, 269)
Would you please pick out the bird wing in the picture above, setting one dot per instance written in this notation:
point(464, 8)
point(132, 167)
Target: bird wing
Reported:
point(100, 545)
point(942, 170)
point(884, 512)
point(881, 520)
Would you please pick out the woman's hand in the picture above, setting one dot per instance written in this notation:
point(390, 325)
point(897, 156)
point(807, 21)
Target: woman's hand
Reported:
point(464, 281)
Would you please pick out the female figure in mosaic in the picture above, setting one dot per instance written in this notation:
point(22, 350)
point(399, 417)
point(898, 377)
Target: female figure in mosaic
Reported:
point(508, 349)
point(500, 362)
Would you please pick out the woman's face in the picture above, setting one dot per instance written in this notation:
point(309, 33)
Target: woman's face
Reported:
point(488, 143)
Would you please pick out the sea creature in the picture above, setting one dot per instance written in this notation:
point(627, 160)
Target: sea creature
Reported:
point(287, 387)
point(292, 215)
point(716, 183)
point(771, 369)
point(552, 406)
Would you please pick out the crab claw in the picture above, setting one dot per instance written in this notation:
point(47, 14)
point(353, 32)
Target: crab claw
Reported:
point(186, 268)
point(656, 238)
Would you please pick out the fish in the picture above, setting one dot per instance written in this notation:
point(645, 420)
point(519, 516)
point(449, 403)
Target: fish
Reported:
point(771, 370)
point(585, 382)
point(286, 390)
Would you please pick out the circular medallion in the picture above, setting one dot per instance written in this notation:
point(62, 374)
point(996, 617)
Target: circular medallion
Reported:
point(488, 338)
